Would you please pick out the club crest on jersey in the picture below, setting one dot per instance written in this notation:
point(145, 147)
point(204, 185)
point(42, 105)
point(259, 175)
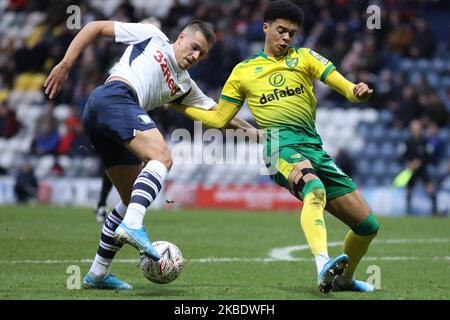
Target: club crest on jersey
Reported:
point(322, 60)
point(291, 62)
point(145, 119)
point(159, 57)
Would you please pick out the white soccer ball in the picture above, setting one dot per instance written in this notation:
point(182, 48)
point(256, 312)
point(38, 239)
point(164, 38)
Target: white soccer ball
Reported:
point(169, 266)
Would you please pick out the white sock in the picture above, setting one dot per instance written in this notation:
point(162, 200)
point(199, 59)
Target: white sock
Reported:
point(135, 216)
point(100, 266)
point(145, 189)
point(321, 259)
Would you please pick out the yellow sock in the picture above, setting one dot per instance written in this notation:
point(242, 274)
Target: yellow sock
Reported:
point(312, 221)
point(355, 247)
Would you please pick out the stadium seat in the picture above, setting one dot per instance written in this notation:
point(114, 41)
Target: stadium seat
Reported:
point(394, 169)
point(423, 65)
point(447, 152)
point(438, 65)
point(370, 181)
point(406, 65)
point(23, 81)
point(363, 129)
point(444, 134)
point(7, 159)
point(378, 132)
point(433, 79)
point(388, 150)
point(61, 112)
point(43, 166)
point(446, 81)
point(37, 82)
point(379, 167)
point(364, 167)
point(443, 166)
point(386, 117)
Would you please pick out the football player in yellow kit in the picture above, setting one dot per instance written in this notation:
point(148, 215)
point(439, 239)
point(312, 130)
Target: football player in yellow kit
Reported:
point(277, 84)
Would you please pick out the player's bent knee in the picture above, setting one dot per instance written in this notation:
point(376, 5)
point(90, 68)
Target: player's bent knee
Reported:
point(369, 226)
point(166, 160)
point(168, 163)
point(314, 186)
point(162, 156)
point(303, 180)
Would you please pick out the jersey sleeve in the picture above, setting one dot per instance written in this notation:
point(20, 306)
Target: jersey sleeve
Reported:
point(318, 66)
point(196, 98)
point(232, 90)
point(132, 33)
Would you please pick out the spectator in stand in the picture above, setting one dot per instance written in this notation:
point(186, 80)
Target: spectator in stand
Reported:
point(435, 145)
point(417, 156)
point(370, 59)
point(434, 110)
point(422, 85)
point(423, 44)
point(57, 169)
point(70, 127)
point(351, 61)
point(400, 37)
point(407, 107)
point(81, 94)
point(9, 125)
point(386, 90)
point(444, 186)
point(26, 184)
point(341, 44)
point(46, 136)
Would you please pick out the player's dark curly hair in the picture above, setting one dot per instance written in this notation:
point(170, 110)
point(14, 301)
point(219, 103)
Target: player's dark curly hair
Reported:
point(283, 9)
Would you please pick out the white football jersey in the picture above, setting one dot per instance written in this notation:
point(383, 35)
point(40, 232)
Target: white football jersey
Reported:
point(149, 65)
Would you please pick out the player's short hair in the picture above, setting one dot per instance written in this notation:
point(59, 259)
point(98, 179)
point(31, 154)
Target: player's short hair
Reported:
point(283, 9)
point(204, 27)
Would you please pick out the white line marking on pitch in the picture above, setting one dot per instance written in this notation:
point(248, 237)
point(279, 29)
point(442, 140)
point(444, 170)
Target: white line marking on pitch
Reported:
point(275, 255)
point(220, 260)
point(285, 252)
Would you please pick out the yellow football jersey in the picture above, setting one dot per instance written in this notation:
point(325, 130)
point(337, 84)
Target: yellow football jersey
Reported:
point(280, 92)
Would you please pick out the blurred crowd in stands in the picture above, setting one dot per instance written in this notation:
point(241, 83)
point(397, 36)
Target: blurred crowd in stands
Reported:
point(406, 60)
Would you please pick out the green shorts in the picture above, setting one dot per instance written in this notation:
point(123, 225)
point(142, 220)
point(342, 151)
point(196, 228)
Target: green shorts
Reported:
point(336, 182)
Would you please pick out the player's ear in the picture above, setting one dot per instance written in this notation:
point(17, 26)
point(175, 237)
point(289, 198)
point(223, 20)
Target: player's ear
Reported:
point(181, 35)
point(265, 27)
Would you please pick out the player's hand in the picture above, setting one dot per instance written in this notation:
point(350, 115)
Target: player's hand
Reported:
point(55, 80)
point(362, 91)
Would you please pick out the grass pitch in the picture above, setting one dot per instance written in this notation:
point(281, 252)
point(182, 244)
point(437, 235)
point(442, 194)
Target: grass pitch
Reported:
point(227, 256)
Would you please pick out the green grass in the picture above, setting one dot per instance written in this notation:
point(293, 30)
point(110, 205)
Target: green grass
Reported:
point(68, 235)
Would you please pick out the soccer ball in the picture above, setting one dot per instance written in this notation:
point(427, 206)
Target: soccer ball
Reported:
point(169, 266)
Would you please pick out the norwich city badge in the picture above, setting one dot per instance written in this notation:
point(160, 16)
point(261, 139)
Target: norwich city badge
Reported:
point(291, 62)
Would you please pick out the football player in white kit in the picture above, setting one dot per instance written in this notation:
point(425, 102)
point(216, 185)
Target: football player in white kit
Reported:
point(150, 73)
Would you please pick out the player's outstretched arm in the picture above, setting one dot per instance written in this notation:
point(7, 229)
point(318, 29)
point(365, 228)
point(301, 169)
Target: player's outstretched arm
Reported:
point(218, 116)
point(353, 92)
point(87, 35)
